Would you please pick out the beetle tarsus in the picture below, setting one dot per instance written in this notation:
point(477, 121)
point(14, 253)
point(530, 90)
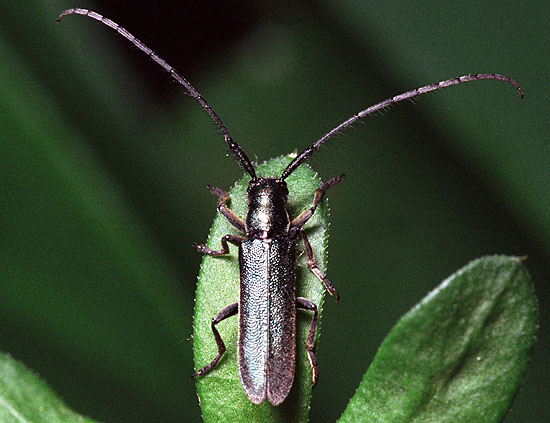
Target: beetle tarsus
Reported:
point(223, 314)
point(305, 304)
point(230, 215)
point(302, 219)
point(233, 239)
point(312, 264)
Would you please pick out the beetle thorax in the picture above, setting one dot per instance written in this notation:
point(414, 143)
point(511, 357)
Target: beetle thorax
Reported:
point(267, 215)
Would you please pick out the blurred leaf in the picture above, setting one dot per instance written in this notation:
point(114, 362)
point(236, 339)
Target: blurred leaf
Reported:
point(221, 395)
point(75, 259)
point(24, 398)
point(459, 355)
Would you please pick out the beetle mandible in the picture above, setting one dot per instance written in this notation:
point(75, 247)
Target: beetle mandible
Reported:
point(267, 252)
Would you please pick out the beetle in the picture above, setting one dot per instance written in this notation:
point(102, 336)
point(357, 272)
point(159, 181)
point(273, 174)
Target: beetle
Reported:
point(267, 250)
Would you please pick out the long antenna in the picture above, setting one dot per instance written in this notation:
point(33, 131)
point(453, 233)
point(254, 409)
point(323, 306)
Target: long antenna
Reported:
point(304, 155)
point(233, 146)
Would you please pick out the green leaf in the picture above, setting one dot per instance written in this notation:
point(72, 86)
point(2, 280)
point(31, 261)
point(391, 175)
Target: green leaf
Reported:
point(24, 398)
point(459, 355)
point(221, 395)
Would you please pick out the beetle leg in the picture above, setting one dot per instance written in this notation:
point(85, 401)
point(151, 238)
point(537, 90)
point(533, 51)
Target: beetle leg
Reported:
point(305, 304)
point(230, 215)
point(312, 264)
point(233, 239)
point(225, 312)
point(317, 196)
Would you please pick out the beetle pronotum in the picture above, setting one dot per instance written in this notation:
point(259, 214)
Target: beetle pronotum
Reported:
point(267, 252)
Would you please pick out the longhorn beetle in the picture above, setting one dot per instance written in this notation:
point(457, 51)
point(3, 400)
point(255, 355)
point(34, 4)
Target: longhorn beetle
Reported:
point(267, 252)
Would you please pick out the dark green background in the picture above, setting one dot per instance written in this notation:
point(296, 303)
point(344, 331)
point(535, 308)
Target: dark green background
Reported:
point(104, 164)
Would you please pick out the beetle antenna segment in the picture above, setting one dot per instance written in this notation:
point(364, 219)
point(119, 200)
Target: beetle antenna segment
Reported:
point(304, 155)
point(233, 146)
